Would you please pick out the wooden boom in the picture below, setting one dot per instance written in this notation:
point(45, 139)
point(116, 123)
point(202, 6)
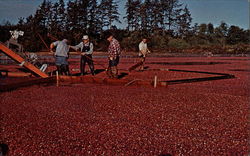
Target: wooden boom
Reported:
point(22, 61)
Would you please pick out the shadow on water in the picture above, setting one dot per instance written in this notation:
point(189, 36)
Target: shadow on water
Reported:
point(241, 70)
point(97, 71)
point(122, 75)
point(218, 76)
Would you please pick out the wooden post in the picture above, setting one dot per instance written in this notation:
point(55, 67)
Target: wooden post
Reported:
point(57, 79)
point(155, 81)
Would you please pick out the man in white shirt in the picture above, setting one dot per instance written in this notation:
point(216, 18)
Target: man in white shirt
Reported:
point(143, 51)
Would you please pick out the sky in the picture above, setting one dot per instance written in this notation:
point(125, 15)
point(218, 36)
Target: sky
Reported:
point(233, 12)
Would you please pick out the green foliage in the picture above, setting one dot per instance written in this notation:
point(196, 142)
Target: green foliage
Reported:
point(159, 42)
point(178, 44)
point(165, 23)
point(236, 35)
point(131, 41)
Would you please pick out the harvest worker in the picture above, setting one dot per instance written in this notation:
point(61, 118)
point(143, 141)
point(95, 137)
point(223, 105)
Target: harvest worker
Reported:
point(143, 51)
point(114, 52)
point(61, 56)
point(86, 54)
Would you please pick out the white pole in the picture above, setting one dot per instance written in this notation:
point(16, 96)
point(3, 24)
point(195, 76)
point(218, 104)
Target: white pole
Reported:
point(57, 79)
point(155, 81)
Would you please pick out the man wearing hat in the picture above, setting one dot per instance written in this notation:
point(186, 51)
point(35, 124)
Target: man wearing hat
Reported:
point(114, 51)
point(86, 54)
point(61, 56)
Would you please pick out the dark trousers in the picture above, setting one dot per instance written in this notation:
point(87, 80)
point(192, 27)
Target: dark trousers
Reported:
point(114, 62)
point(63, 69)
point(87, 59)
point(112, 70)
point(143, 58)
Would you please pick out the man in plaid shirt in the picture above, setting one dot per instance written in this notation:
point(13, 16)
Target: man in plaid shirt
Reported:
point(114, 52)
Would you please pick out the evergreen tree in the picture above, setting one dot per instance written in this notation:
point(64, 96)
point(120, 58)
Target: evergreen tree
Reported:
point(184, 22)
point(146, 15)
point(195, 29)
point(144, 20)
point(61, 15)
point(54, 26)
point(130, 15)
point(43, 15)
point(171, 11)
point(210, 33)
point(203, 29)
point(222, 30)
point(72, 16)
point(110, 12)
point(133, 20)
point(157, 16)
point(82, 6)
point(94, 21)
point(210, 29)
point(235, 35)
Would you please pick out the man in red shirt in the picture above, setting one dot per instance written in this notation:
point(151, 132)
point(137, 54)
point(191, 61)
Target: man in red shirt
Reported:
point(114, 52)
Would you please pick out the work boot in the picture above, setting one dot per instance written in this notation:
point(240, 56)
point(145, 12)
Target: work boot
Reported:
point(114, 72)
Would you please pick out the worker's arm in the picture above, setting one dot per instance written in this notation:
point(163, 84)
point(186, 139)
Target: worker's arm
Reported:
point(148, 51)
point(76, 47)
point(51, 47)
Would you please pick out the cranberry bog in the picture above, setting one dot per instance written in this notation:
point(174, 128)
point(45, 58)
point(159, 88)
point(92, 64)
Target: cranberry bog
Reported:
point(198, 106)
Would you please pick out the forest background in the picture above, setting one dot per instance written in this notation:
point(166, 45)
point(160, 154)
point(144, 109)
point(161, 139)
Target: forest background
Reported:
point(166, 23)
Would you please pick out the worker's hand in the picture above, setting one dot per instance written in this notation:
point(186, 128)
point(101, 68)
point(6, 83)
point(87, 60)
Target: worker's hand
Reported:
point(83, 54)
point(111, 58)
point(149, 51)
point(51, 51)
point(72, 47)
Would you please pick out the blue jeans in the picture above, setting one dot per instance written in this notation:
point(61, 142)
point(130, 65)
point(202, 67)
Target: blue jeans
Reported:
point(61, 60)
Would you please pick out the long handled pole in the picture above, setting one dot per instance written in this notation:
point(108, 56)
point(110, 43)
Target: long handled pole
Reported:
point(52, 37)
point(95, 61)
point(43, 41)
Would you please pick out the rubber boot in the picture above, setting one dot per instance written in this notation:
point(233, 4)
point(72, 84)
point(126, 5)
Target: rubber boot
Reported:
point(91, 67)
point(82, 65)
point(114, 72)
point(67, 70)
point(64, 69)
point(93, 72)
point(59, 70)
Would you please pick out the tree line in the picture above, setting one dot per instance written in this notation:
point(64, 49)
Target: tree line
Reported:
point(167, 24)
